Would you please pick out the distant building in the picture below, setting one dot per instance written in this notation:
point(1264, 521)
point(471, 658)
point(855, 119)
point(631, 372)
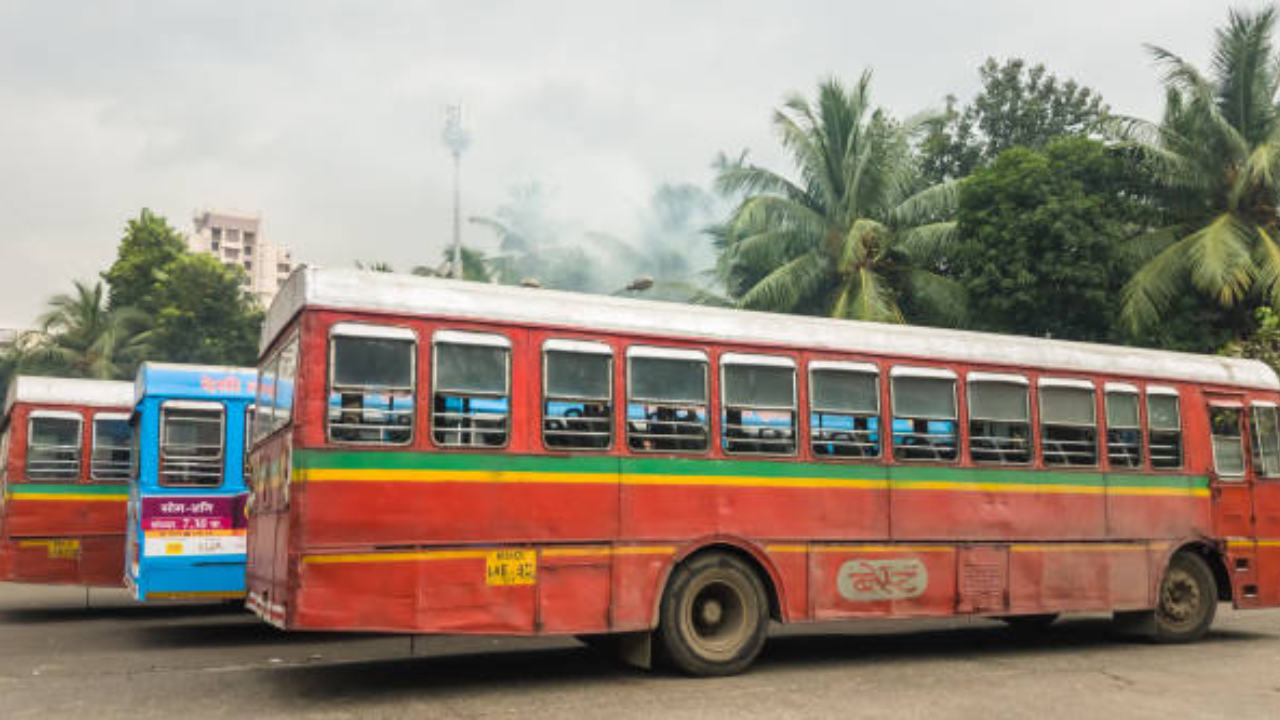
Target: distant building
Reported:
point(236, 239)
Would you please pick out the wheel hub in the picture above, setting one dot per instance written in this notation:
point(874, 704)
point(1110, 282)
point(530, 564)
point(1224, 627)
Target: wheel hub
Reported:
point(712, 613)
point(1180, 600)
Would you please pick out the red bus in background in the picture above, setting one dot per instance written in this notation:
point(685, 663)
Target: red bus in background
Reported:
point(66, 455)
point(432, 456)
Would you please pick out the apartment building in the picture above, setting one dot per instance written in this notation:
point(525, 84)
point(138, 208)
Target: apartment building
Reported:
point(236, 239)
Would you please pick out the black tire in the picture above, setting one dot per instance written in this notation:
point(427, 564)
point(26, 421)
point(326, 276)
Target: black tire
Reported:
point(1029, 623)
point(1185, 604)
point(714, 616)
point(1188, 600)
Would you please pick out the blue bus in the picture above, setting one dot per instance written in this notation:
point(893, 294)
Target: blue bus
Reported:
point(187, 531)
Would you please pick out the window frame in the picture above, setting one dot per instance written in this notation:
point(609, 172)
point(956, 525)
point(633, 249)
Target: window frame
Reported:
point(50, 414)
point(925, 372)
point(851, 367)
point(472, 338)
point(1255, 442)
point(195, 405)
point(1068, 383)
point(1132, 390)
point(1238, 407)
point(1173, 392)
point(377, 332)
point(760, 360)
point(993, 378)
point(93, 444)
point(663, 352)
point(583, 347)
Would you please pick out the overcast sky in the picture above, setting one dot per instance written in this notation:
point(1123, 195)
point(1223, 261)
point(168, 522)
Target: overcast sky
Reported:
point(325, 117)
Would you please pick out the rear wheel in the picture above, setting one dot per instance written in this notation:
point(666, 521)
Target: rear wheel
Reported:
point(714, 616)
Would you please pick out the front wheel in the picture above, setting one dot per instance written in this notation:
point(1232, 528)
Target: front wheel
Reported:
point(714, 616)
point(1185, 607)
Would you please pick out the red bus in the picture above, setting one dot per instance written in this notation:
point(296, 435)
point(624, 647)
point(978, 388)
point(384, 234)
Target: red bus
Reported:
point(66, 455)
point(433, 456)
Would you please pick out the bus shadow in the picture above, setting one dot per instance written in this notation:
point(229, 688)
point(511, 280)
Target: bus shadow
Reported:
point(463, 673)
point(136, 612)
point(248, 631)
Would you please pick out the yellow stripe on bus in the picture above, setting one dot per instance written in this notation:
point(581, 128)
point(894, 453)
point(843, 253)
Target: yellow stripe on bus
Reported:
point(1080, 547)
point(473, 554)
point(64, 496)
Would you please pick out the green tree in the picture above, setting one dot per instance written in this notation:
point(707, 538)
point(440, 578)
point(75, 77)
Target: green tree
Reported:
point(148, 246)
point(1264, 343)
point(204, 314)
point(80, 336)
point(1039, 247)
point(856, 236)
point(1215, 161)
point(1018, 106)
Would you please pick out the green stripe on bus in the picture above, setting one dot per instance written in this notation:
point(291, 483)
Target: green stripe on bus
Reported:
point(897, 475)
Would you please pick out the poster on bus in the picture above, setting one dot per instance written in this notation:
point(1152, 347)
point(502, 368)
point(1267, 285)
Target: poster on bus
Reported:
point(192, 526)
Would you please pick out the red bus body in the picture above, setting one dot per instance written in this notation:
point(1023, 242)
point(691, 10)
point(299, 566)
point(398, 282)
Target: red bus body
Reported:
point(410, 538)
point(65, 526)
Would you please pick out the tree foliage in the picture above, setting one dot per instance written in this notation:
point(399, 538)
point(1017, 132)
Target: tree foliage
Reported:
point(1018, 106)
point(1215, 161)
point(856, 235)
point(1039, 248)
point(148, 246)
point(81, 336)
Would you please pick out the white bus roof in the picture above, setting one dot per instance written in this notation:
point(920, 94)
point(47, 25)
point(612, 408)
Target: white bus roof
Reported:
point(363, 291)
point(68, 391)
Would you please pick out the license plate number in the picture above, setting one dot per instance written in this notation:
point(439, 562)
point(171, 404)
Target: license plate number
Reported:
point(511, 567)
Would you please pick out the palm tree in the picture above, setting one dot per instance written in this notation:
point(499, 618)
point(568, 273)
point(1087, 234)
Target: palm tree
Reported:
point(855, 236)
point(1215, 161)
point(78, 336)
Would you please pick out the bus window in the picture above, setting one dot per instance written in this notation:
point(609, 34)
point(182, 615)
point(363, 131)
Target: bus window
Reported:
point(1164, 427)
point(1265, 432)
point(577, 395)
point(112, 454)
point(262, 406)
point(1124, 427)
point(53, 445)
point(924, 413)
point(999, 418)
point(371, 385)
point(286, 374)
point(191, 444)
point(844, 409)
point(666, 400)
point(1228, 441)
point(1068, 422)
point(471, 405)
point(758, 397)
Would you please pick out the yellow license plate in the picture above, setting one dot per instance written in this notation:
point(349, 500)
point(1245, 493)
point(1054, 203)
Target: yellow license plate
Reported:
point(511, 567)
point(173, 548)
point(64, 549)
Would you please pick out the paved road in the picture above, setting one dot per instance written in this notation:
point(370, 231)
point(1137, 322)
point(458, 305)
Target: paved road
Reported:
point(117, 659)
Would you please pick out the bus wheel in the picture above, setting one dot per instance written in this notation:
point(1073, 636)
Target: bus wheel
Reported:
point(714, 616)
point(1188, 600)
point(1029, 623)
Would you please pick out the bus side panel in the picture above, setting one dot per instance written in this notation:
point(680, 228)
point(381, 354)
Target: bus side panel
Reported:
point(435, 593)
point(849, 581)
point(574, 592)
point(338, 514)
point(664, 498)
point(1157, 516)
point(1062, 578)
point(929, 512)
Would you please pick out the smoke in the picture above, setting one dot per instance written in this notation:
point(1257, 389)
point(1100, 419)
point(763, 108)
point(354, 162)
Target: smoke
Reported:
point(668, 243)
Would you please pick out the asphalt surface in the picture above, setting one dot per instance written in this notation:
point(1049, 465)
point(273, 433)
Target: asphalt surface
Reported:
point(118, 659)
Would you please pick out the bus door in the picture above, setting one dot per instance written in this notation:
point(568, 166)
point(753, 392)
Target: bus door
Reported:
point(1231, 487)
point(1264, 439)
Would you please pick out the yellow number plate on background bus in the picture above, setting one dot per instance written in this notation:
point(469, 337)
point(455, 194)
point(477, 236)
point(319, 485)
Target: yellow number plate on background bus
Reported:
point(511, 567)
point(64, 549)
